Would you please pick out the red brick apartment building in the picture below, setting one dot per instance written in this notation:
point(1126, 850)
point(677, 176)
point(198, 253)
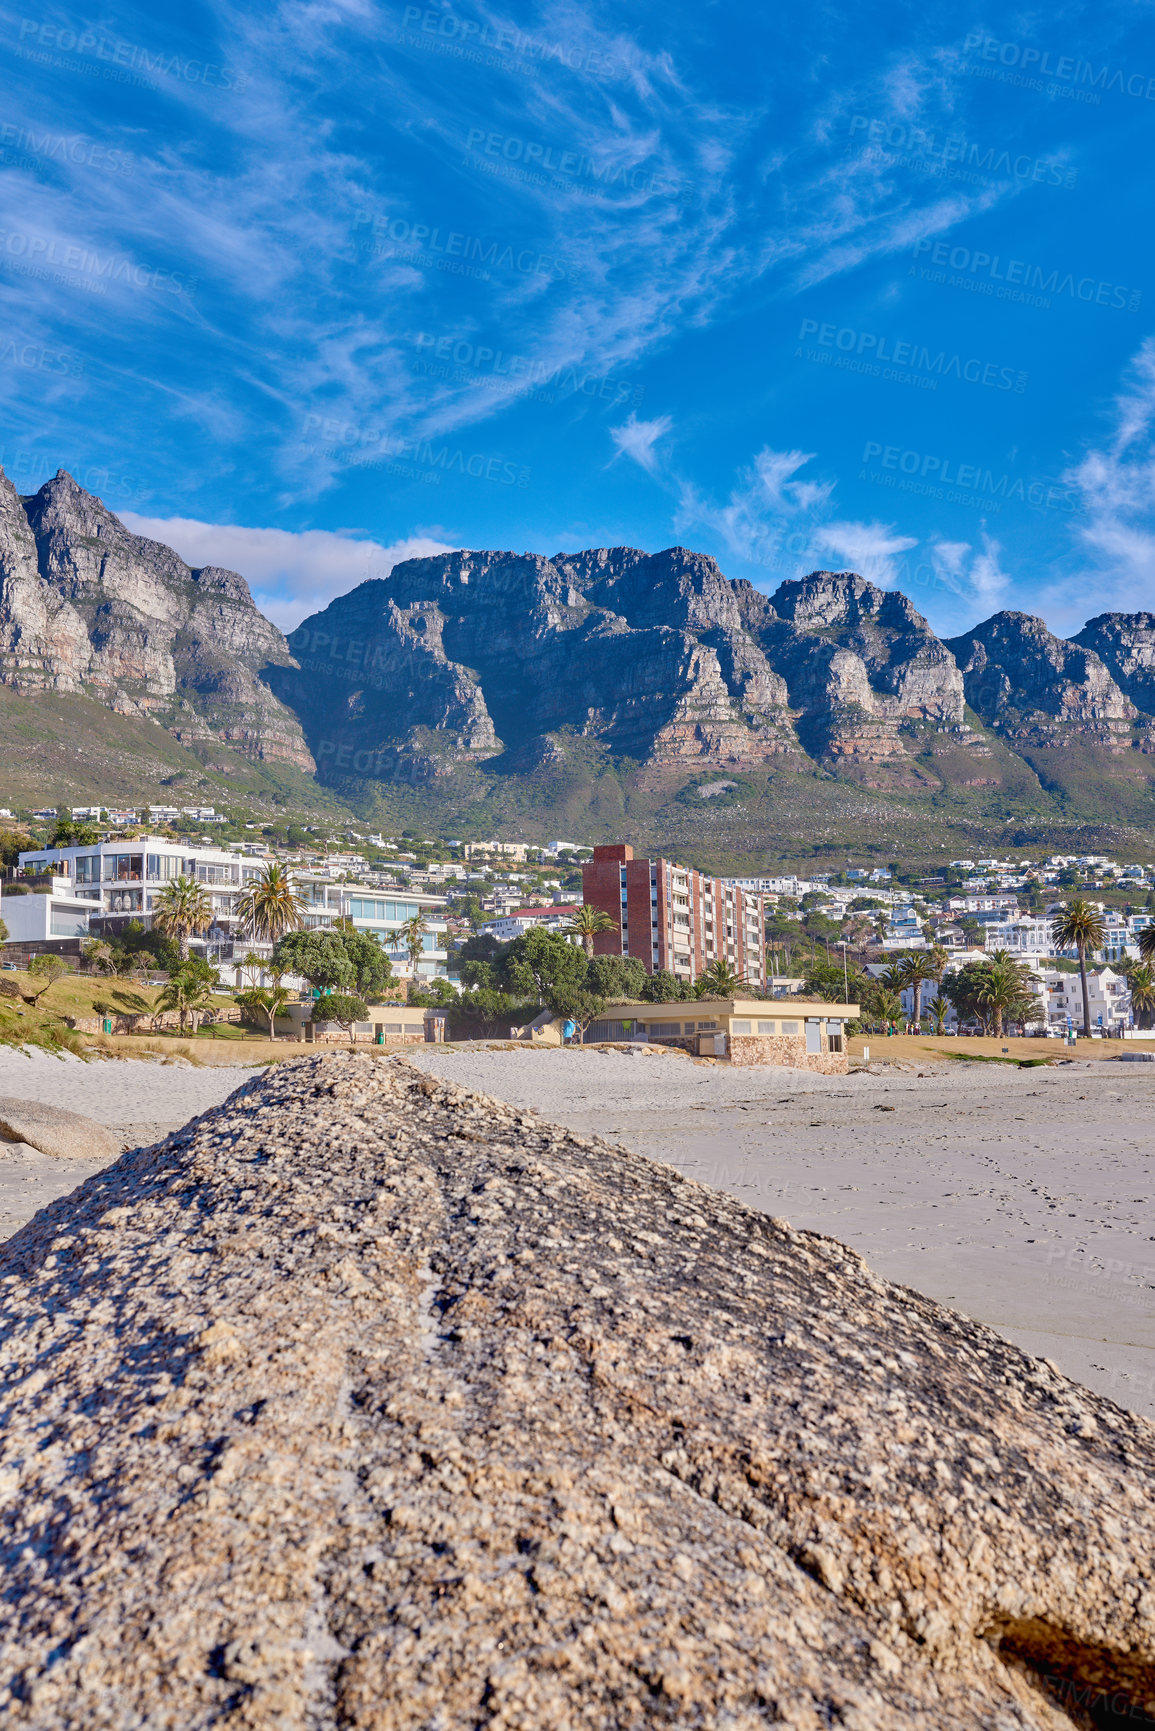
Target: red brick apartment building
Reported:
point(672, 917)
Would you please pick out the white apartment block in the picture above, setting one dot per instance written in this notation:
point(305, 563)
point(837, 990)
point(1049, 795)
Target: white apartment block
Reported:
point(97, 890)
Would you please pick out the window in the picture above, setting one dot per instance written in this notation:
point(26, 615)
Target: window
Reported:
point(740, 1027)
point(790, 1027)
point(656, 1029)
point(88, 868)
point(766, 1027)
point(704, 1026)
point(66, 924)
point(123, 868)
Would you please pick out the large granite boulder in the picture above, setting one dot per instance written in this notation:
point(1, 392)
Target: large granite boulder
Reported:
point(367, 1402)
point(52, 1130)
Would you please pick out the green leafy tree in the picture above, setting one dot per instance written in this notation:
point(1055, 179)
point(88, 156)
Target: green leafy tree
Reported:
point(45, 969)
point(662, 987)
point(135, 945)
point(1005, 991)
point(577, 1005)
point(320, 957)
point(264, 1001)
point(720, 980)
point(433, 995)
point(271, 906)
point(252, 967)
point(618, 979)
point(916, 967)
point(69, 834)
point(342, 1008)
point(3, 933)
point(828, 981)
point(938, 1010)
point(1082, 926)
point(540, 963)
point(97, 956)
point(182, 908)
point(373, 976)
point(487, 1008)
point(410, 937)
point(586, 923)
point(13, 843)
point(964, 987)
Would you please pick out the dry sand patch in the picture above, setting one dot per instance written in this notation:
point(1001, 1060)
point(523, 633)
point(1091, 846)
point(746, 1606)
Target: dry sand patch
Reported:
point(1022, 1197)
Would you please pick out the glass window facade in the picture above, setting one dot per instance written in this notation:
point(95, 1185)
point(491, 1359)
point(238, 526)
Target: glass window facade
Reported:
point(123, 868)
point(367, 908)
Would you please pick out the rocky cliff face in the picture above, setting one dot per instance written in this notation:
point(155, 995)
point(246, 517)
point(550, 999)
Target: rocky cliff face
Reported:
point(514, 661)
point(660, 657)
point(364, 1401)
point(1036, 688)
point(1125, 644)
point(85, 606)
point(868, 677)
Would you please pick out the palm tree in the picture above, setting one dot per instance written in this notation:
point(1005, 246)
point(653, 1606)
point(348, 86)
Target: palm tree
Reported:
point(915, 968)
point(888, 1008)
point(1004, 990)
point(410, 937)
point(938, 1009)
point(271, 907)
point(187, 993)
point(719, 980)
point(1142, 983)
point(181, 908)
point(1147, 943)
point(586, 923)
point(1082, 925)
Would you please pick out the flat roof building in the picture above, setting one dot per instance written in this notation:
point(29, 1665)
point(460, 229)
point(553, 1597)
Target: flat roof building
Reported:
point(674, 918)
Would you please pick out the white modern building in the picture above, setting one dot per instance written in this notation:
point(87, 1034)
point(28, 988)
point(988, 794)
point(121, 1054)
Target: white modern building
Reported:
point(1107, 994)
point(48, 916)
point(1025, 938)
point(381, 914)
point(118, 881)
point(96, 890)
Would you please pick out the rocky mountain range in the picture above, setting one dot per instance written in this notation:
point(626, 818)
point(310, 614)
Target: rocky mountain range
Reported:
point(86, 607)
point(503, 657)
point(473, 678)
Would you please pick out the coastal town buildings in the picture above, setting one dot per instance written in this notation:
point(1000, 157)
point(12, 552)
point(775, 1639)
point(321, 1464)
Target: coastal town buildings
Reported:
point(94, 891)
point(674, 918)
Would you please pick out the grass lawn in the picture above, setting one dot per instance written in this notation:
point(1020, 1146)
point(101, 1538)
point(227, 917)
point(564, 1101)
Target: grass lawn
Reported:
point(940, 1049)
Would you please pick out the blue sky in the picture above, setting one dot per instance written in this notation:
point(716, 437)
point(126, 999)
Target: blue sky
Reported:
point(306, 289)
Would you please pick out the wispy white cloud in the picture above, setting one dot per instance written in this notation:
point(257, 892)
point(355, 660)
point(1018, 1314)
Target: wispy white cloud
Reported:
point(637, 439)
point(972, 576)
point(291, 573)
point(1116, 485)
point(868, 548)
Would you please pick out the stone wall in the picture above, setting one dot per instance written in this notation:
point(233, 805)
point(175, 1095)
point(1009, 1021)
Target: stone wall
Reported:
point(786, 1049)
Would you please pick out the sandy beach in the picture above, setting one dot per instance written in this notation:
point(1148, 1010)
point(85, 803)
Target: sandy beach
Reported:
point(1022, 1197)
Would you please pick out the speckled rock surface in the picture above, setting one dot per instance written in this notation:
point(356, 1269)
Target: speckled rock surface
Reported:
point(53, 1130)
point(364, 1401)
